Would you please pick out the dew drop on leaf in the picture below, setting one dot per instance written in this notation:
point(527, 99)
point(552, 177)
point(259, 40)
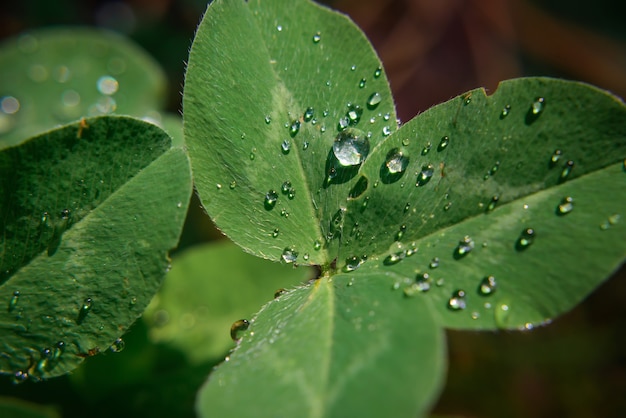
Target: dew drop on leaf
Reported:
point(351, 148)
point(492, 203)
point(362, 83)
point(19, 377)
point(425, 175)
point(457, 300)
point(566, 206)
point(285, 187)
point(374, 100)
point(354, 114)
point(275, 233)
point(434, 263)
point(14, 299)
point(394, 258)
point(353, 263)
point(270, 199)
point(294, 128)
point(487, 286)
point(289, 255)
point(443, 143)
point(427, 148)
point(386, 131)
point(566, 170)
point(84, 310)
point(317, 37)
point(556, 156)
point(466, 245)
point(526, 239)
point(505, 111)
point(396, 162)
point(268, 119)
point(117, 346)
point(59, 349)
point(538, 105)
point(308, 114)
point(285, 146)
point(237, 328)
point(317, 245)
point(278, 293)
point(378, 72)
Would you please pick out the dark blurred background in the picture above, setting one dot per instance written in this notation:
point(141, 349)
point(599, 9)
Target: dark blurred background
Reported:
point(433, 50)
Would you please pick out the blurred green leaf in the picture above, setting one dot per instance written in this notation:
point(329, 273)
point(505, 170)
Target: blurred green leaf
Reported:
point(88, 214)
point(17, 408)
point(50, 77)
point(208, 289)
point(263, 101)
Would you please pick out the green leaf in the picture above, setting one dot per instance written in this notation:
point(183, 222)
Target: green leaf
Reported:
point(256, 60)
point(333, 349)
point(13, 407)
point(208, 289)
point(88, 214)
point(510, 158)
point(438, 206)
point(53, 76)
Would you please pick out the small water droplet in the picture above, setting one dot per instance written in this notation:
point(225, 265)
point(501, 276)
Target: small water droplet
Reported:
point(538, 105)
point(466, 245)
point(447, 206)
point(218, 186)
point(378, 72)
point(317, 37)
point(401, 232)
point(487, 286)
point(291, 193)
point(374, 100)
point(566, 206)
point(427, 148)
point(395, 165)
point(457, 301)
point(526, 238)
point(443, 143)
point(14, 299)
point(350, 148)
point(84, 310)
point(394, 258)
point(354, 114)
point(285, 187)
point(232, 185)
point(434, 263)
point(278, 293)
point(117, 346)
point(505, 111)
point(467, 98)
point(9, 105)
point(365, 202)
point(492, 204)
point(305, 145)
point(289, 255)
point(19, 377)
point(59, 349)
point(268, 119)
point(353, 263)
point(294, 128)
point(270, 199)
point(107, 85)
point(343, 123)
point(317, 244)
point(279, 28)
point(475, 315)
point(308, 114)
point(237, 328)
point(285, 146)
point(566, 170)
point(386, 131)
point(495, 168)
point(407, 207)
point(556, 156)
point(610, 221)
point(362, 83)
point(425, 175)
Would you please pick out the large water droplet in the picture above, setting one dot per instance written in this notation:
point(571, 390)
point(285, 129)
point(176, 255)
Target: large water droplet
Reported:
point(394, 166)
point(374, 100)
point(526, 239)
point(466, 245)
point(270, 199)
point(107, 85)
point(237, 328)
point(457, 301)
point(487, 286)
point(289, 255)
point(425, 175)
point(351, 148)
point(566, 206)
